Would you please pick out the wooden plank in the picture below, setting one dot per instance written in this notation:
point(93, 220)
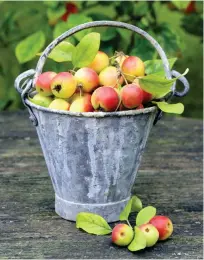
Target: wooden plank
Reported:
point(170, 178)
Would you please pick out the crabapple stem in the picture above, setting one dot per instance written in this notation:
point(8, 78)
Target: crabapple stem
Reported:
point(118, 106)
point(73, 71)
point(128, 223)
point(119, 53)
point(120, 72)
point(112, 57)
point(124, 78)
point(132, 76)
point(80, 90)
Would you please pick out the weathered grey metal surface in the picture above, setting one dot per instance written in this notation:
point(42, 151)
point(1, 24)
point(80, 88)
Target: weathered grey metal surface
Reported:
point(92, 161)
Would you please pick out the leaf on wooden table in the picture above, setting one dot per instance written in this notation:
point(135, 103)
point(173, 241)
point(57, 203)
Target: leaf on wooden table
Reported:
point(138, 242)
point(92, 223)
point(145, 215)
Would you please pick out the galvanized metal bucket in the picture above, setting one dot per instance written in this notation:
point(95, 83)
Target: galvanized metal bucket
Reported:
point(93, 157)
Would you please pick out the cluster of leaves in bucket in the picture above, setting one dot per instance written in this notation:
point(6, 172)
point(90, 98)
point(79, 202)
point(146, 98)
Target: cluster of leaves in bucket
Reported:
point(97, 225)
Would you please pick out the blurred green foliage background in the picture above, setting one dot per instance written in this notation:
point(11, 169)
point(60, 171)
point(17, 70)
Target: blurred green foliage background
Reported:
point(176, 25)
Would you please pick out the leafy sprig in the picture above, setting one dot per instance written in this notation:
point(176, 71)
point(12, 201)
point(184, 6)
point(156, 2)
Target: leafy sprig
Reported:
point(97, 225)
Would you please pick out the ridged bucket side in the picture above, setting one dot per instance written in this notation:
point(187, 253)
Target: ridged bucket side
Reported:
point(92, 161)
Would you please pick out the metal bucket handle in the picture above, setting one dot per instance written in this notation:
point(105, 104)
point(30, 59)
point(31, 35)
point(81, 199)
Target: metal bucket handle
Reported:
point(54, 43)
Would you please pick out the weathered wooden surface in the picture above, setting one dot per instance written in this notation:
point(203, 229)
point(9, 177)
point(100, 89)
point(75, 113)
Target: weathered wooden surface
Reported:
point(170, 178)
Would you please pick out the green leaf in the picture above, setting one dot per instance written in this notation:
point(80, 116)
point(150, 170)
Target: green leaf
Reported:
point(108, 34)
point(170, 108)
point(133, 205)
point(96, 16)
point(192, 23)
point(157, 85)
point(107, 49)
point(181, 4)
point(145, 215)
point(170, 39)
point(141, 8)
point(62, 52)
point(86, 50)
point(28, 48)
point(76, 19)
point(4, 97)
point(123, 40)
point(3, 104)
point(143, 49)
point(125, 34)
point(27, 24)
point(138, 242)
point(3, 87)
point(54, 14)
point(14, 100)
point(154, 66)
point(60, 28)
point(51, 4)
point(136, 204)
point(126, 211)
point(92, 223)
point(144, 21)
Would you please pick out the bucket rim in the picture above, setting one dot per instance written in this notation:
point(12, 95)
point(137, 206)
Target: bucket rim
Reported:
point(93, 114)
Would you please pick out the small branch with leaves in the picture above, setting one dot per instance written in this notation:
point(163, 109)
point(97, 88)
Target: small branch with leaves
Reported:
point(144, 234)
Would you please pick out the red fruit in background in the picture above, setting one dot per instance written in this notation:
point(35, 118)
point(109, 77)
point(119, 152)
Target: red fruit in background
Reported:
point(105, 98)
point(163, 225)
point(131, 96)
point(191, 8)
point(71, 9)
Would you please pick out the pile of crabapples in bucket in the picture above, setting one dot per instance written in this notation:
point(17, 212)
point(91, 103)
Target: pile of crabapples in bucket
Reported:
point(97, 82)
point(107, 84)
